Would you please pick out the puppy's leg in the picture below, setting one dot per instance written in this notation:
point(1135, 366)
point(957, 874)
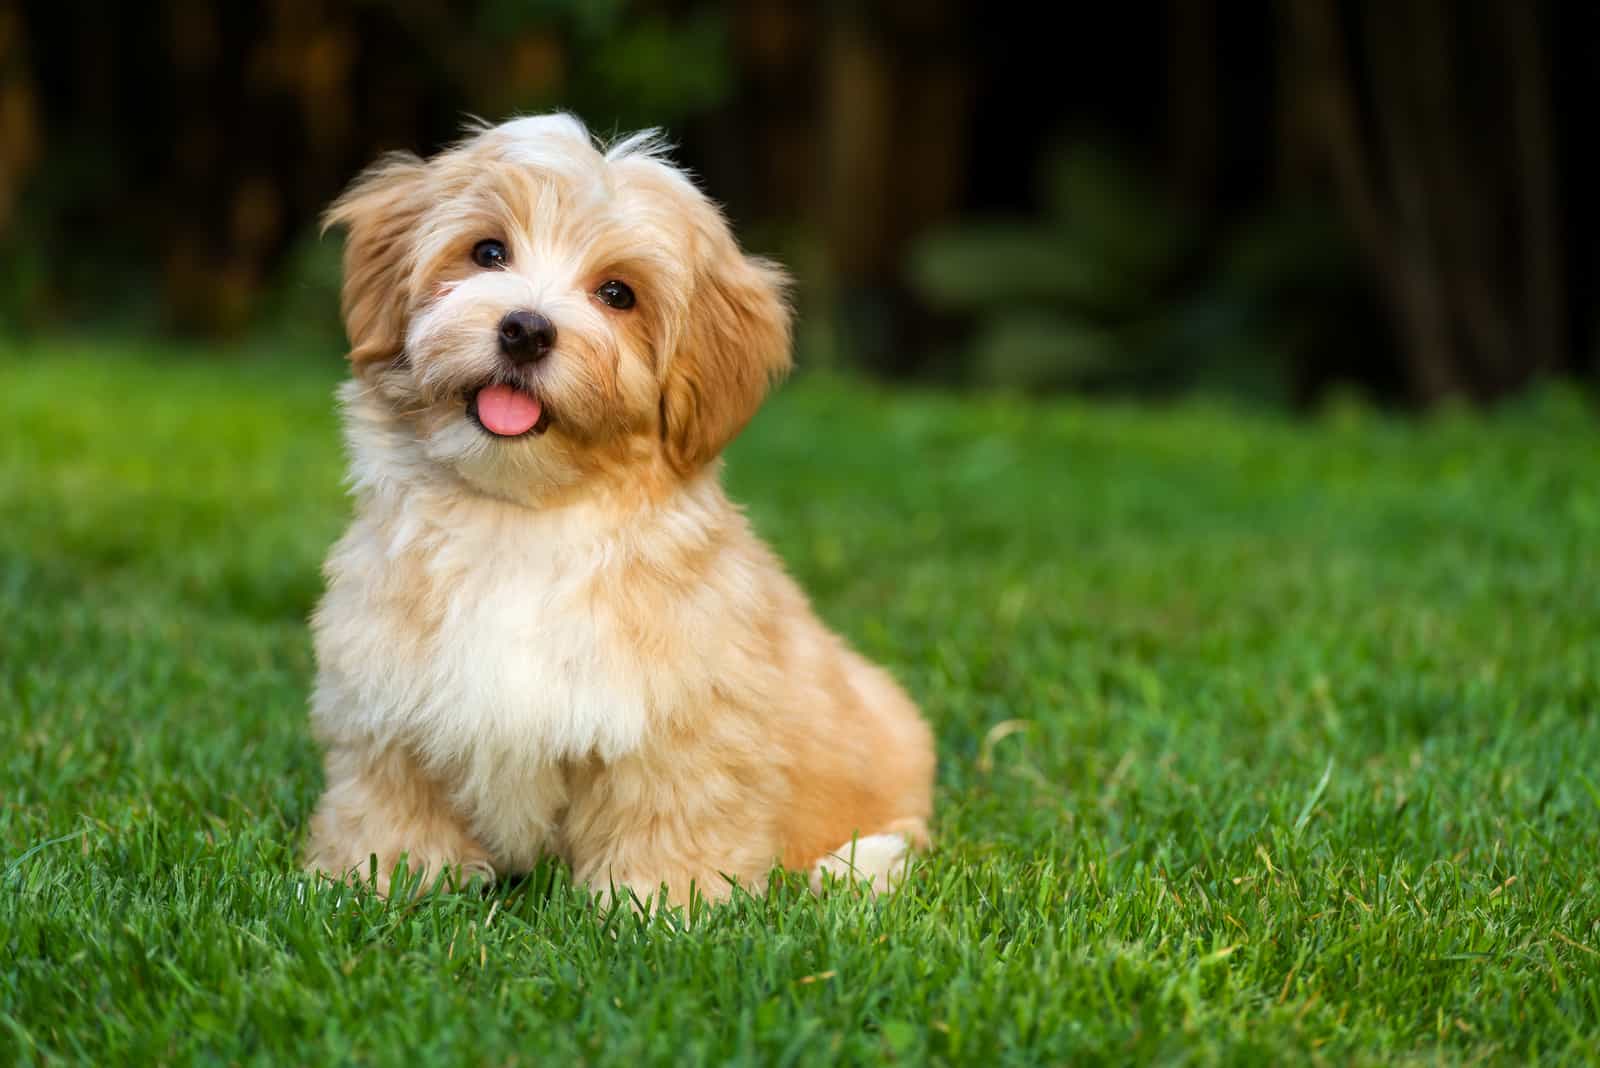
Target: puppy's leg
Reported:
point(880, 859)
point(382, 804)
point(680, 817)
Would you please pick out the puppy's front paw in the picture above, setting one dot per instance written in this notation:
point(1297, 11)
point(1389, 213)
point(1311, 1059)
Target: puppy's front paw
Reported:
point(382, 815)
point(387, 872)
point(645, 894)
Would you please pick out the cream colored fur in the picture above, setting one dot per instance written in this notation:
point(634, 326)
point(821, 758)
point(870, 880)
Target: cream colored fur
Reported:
point(571, 642)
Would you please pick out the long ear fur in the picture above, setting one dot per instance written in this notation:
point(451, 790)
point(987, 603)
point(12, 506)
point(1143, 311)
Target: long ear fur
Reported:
point(736, 342)
point(379, 213)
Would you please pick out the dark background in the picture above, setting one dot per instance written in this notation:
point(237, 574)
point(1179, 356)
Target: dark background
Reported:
point(1265, 200)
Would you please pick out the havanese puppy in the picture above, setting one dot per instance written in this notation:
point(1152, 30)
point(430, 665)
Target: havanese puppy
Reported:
point(547, 630)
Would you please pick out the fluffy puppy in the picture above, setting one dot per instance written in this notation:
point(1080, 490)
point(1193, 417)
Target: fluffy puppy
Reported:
point(547, 629)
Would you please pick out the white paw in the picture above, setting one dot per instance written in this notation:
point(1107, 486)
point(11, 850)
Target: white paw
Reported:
point(880, 858)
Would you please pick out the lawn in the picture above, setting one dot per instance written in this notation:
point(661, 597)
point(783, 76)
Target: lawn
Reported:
point(1260, 740)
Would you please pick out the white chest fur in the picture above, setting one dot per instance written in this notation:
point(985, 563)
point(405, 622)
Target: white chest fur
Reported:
point(476, 639)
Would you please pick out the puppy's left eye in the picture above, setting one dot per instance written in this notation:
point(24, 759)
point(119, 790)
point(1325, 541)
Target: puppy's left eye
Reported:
point(489, 254)
point(615, 294)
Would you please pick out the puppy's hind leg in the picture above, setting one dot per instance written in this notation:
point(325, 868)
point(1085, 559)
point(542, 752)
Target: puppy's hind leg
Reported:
point(383, 805)
point(880, 859)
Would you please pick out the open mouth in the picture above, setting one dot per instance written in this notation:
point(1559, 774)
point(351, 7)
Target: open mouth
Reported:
point(506, 411)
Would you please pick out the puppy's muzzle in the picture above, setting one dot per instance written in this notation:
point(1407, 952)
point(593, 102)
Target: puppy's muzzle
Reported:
point(526, 336)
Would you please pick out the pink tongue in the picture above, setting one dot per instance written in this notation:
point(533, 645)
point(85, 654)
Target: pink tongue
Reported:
point(506, 411)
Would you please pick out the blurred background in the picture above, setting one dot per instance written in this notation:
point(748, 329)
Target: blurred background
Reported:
point(1265, 200)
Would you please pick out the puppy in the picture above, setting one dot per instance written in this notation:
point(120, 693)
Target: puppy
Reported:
point(547, 630)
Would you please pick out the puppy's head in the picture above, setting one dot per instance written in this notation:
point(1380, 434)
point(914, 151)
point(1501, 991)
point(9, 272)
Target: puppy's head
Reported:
point(531, 309)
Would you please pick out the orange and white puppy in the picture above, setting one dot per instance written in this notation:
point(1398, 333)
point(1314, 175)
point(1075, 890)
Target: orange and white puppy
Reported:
point(547, 629)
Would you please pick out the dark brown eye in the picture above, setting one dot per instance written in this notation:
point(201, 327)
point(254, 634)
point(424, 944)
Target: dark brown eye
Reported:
point(615, 294)
point(489, 254)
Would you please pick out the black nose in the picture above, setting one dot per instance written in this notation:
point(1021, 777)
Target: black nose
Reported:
point(526, 336)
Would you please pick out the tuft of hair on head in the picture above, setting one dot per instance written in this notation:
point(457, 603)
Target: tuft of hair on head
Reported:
point(650, 144)
point(561, 125)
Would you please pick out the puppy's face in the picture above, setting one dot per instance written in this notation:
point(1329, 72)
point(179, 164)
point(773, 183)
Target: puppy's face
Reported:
point(535, 311)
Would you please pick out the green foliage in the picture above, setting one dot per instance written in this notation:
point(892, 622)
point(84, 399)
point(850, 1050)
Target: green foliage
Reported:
point(623, 64)
point(1115, 214)
point(1260, 743)
point(988, 265)
point(1113, 286)
point(302, 309)
point(657, 73)
point(23, 285)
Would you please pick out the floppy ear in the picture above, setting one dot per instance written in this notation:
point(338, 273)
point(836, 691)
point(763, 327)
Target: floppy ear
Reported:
point(735, 343)
point(379, 213)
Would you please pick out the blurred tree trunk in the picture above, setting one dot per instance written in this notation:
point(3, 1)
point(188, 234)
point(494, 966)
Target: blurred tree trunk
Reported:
point(19, 134)
point(1194, 102)
point(769, 145)
point(1463, 237)
point(1543, 277)
point(897, 92)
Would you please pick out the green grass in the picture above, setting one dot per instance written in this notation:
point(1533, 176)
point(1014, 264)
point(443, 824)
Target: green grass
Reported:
point(1258, 741)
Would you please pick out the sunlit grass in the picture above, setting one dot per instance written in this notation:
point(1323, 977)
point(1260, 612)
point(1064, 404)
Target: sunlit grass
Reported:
point(1258, 740)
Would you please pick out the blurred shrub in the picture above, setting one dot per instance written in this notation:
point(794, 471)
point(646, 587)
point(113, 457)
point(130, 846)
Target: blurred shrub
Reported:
point(302, 309)
point(21, 283)
point(1113, 286)
point(620, 64)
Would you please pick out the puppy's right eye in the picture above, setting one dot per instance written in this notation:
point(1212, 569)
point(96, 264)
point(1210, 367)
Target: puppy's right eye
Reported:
point(489, 254)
